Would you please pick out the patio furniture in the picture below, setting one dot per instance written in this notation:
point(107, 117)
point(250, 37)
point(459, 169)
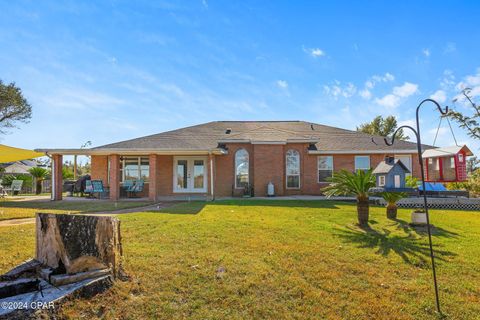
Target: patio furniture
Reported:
point(80, 184)
point(3, 193)
point(136, 188)
point(127, 187)
point(93, 187)
point(15, 187)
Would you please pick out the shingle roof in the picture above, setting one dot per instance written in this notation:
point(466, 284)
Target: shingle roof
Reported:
point(384, 167)
point(207, 136)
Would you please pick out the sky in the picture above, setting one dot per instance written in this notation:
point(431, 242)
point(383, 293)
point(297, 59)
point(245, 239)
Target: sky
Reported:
point(106, 71)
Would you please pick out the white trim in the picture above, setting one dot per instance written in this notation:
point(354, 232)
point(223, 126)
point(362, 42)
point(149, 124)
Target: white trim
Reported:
point(360, 152)
point(190, 181)
point(318, 169)
point(211, 178)
point(293, 175)
point(380, 182)
point(268, 142)
point(235, 167)
point(363, 156)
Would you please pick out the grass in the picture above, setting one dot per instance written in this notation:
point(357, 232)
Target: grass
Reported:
point(280, 259)
point(27, 209)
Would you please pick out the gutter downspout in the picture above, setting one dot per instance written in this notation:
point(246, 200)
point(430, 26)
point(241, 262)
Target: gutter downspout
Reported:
point(52, 176)
point(211, 177)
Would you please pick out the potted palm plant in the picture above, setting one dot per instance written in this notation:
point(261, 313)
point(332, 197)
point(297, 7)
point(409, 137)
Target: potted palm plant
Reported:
point(392, 198)
point(359, 183)
point(39, 174)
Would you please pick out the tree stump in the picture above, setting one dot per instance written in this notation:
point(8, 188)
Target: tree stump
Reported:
point(78, 243)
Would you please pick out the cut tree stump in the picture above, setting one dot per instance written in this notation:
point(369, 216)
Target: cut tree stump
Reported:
point(78, 243)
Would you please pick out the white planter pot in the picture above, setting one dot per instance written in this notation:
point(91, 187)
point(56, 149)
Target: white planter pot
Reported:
point(419, 218)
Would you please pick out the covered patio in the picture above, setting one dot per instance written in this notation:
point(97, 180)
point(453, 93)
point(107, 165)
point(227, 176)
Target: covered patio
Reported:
point(162, 174)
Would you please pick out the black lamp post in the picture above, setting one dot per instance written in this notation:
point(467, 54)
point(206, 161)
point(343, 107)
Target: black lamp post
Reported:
point(420, 160)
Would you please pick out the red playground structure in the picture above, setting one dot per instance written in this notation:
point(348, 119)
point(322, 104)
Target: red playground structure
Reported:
point(447, 164)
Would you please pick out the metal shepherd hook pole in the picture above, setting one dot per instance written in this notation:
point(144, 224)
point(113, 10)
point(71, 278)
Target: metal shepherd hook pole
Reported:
point(422, 171)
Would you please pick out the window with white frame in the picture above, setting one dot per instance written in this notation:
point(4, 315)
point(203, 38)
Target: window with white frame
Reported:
point(452, 162)
point(460, 157)
point(381, 181)
point(134, 168)
point(293, 169)
point(437, 164)
point(325, 168)
point(362, 163)
point(241, 168)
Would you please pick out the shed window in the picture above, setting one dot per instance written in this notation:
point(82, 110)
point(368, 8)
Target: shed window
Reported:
point(241, 168)
point(362, 163)
point(460, 157)
point(381, 181)
point(293, 169)
point(452, 162)
point(325, 168)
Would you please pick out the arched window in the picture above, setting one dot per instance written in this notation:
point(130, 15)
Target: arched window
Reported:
point(293, 169)
point(241, 168)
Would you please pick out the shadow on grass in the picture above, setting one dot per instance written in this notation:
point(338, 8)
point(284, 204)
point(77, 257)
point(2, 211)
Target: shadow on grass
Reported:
point(413, 251)
point(327, 204)
point(422, 230)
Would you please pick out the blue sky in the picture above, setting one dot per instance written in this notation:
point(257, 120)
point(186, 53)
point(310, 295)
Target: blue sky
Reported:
point(109, 71)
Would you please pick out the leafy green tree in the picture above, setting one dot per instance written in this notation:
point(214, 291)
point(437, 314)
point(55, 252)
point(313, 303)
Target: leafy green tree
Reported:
point(39, 174)
point(411, 181)
point(469, 122)
point(384, 127)
point(357, 184)
point(13, 107)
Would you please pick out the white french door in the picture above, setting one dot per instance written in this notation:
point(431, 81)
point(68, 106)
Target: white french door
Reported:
point(190, 174)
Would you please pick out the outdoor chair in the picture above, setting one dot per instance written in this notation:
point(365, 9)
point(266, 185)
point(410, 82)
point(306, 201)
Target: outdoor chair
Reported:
point(3, 193)
point(127, 186)
point(93, 187)
point(136, 188)
point(15, 187)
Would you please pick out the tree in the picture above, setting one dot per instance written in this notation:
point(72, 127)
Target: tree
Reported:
point(13, 107)
point(358, 184)
point(471, 122)
point(39, 174)
point(382, 127)
point(392, 198)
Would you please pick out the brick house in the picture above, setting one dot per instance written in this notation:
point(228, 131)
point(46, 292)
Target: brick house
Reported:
point(222, 158)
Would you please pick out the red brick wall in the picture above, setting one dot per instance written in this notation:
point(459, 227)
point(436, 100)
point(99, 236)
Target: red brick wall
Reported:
point(267, 163)
point(269, 167)
point(99, 169)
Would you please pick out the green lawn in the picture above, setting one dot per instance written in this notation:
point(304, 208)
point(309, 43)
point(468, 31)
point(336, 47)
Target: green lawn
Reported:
point(27, 209)
point(281, 259)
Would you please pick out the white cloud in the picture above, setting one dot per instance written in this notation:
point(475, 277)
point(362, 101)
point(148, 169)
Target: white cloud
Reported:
point(337, 90)
point(282, 84)
point(365, 94)
point(314, 52)
point(205, 4)
point(372, 82)
point(440, 96)
point(426, 52)
point(405, 90)
point(390, 101)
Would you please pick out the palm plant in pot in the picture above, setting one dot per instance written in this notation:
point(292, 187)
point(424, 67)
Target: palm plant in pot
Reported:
point(358, 184)
point(392, 198)
point(39, 174)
